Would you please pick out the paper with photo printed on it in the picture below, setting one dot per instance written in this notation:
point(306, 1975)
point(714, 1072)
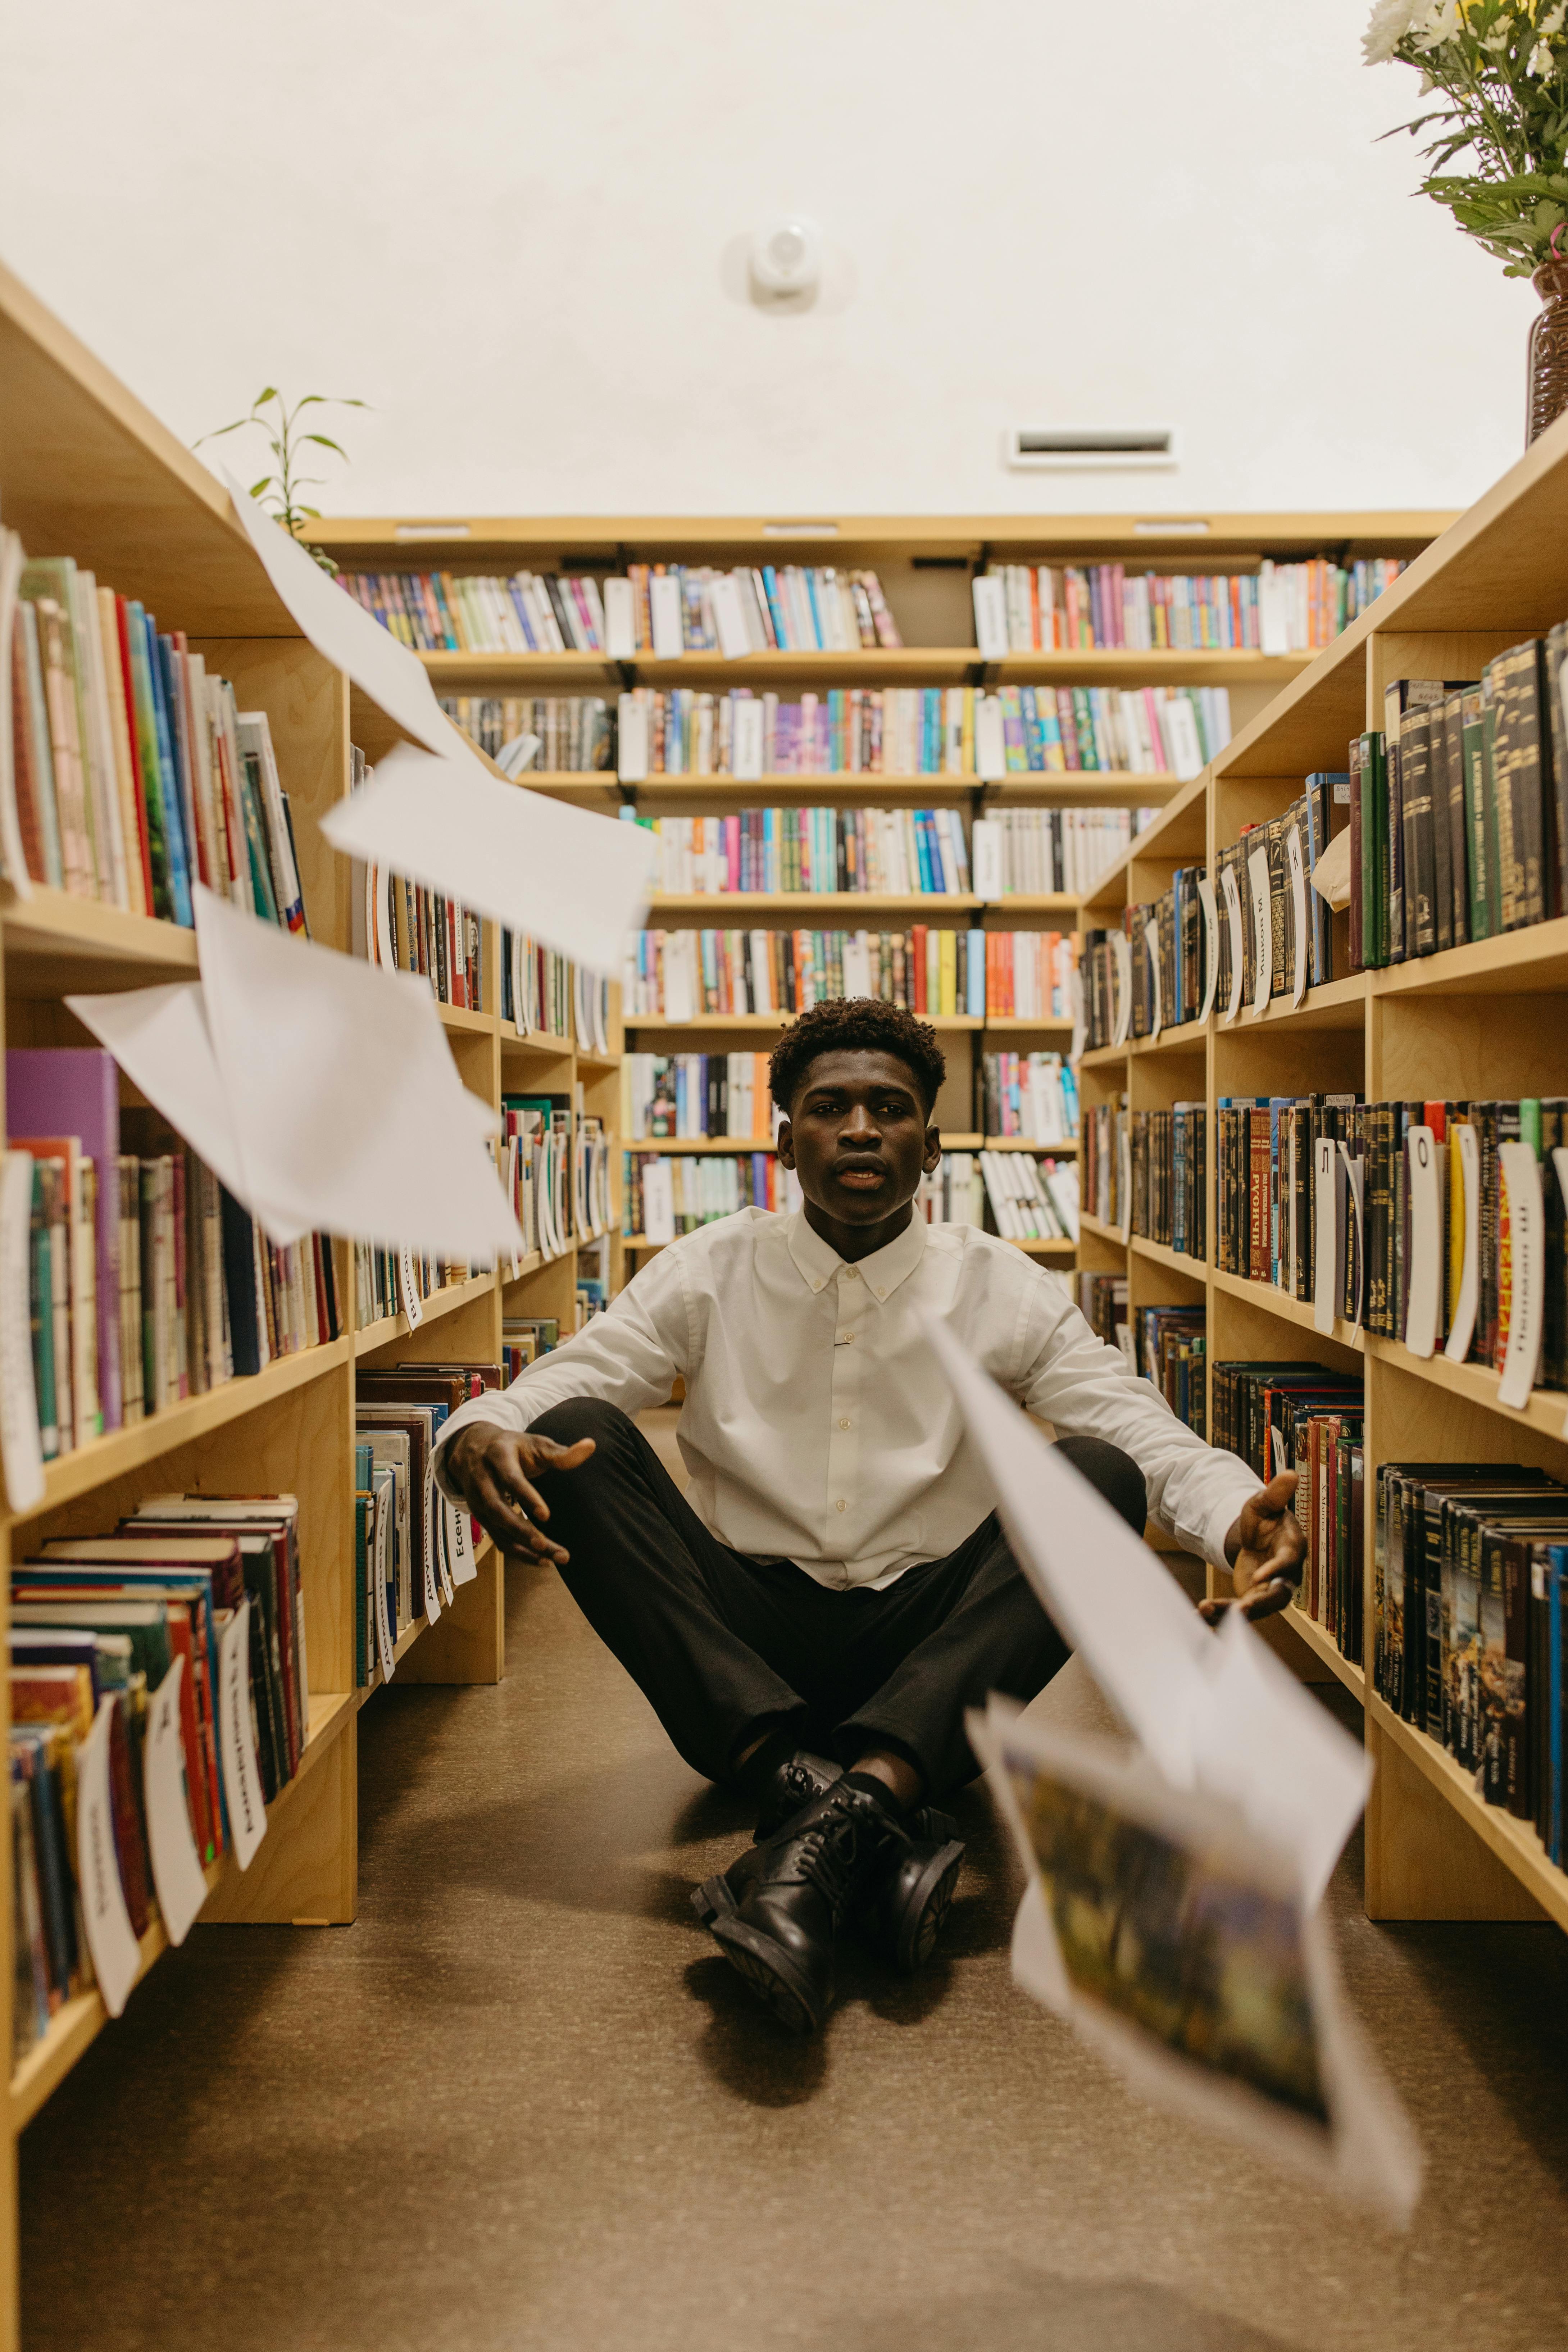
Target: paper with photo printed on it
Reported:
point(1169, 1936)
point(576, 880)
point(341, 629)
point(348, 1112)
point(1220, 1714)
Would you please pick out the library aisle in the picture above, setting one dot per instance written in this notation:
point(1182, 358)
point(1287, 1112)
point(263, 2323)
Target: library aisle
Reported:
point(523, 2104)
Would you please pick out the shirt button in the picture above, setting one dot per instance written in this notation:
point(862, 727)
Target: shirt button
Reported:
point(841, 1505)
point(851, 1274)
point(849, 1338)
point(881, 1293)
point(844, 1424)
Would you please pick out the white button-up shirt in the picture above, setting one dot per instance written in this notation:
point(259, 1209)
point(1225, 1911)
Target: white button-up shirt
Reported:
point(818, 1426)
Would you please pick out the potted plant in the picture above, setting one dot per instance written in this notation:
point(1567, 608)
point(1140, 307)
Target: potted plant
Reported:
point(1499, 69)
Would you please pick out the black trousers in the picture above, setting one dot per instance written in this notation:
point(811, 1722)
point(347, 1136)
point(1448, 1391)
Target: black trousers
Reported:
point(726, 1647)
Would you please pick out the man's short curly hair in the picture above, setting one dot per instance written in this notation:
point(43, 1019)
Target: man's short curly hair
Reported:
point(856, 1024)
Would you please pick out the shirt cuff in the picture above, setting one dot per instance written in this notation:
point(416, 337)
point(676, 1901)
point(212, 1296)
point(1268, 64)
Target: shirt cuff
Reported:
point(1222, 1515)
point(494, 1407)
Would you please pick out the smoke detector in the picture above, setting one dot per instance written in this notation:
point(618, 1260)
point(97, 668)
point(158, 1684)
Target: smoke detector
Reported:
point(786, 257)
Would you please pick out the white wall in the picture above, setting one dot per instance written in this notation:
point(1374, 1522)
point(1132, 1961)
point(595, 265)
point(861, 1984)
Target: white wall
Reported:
point(505, 224)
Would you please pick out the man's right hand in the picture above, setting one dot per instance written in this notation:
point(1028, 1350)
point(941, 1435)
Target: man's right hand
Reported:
point(493, 1468)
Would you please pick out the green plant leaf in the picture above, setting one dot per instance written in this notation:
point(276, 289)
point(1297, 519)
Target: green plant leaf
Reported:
point(323, 442)
point(263, 397)
point(264, 484)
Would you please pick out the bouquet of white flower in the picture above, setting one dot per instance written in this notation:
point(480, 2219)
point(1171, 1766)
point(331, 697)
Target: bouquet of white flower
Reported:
point(1501, 68)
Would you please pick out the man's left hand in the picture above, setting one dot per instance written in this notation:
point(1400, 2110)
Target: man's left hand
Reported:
point(1266, 1549)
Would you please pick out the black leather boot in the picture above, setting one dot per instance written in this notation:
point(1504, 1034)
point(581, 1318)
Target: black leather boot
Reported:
point(802, 1777)
point(778, 1927)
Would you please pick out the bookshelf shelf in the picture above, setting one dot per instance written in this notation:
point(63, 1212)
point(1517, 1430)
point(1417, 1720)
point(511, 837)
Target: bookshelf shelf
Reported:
point(1300, 1312)
point(586, 1061)
point(774, 1025)
point(739, 1147)
point(1028, 1143)
point(1513, 1841)
point(811, 908)
point(444, 1301)
point(124, 1450)
point(459, 1018)
point(1193, 1269)
point(1032, 902)
point(934, 666)
point(1321, 1644)
point(1116, 665)
point(1036, 1245)
point(542, 1042)
point(1186, 1037)
point(747, 792)
point(59, 937)
point(1100, 1231)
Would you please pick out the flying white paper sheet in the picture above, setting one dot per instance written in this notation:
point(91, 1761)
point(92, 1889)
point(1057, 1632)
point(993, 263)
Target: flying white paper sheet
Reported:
point(576, 880)
point(342, 632)
point(1216, 1714)
point(160, 1038)
point(347, 1110)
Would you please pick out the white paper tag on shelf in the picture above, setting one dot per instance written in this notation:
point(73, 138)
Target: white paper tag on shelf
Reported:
point(460, 1545)
point(728, 618)
point(1211, 943)
point(236, 1731)
point(659, 1201)
point(111, 1939)
point(989, 745)
point(1079, 1024)
point(1329, 1260)
point(746, 751)
point(21, 1453)
point(664, 612)
point(985, 858)
point(990, 617)
point(1520, 1227)
point(1124, 1341)
point(1463, 1329)
point(620, 619)
point(1237, 943)
point(386, 1646)
point(177, 1872)
point(1125, 1158)
point(432, 1589)
point(1424, 1287)
point(1282, 1459)
point(1262, 928)
point(631, 740)
point(443, 1545)
point(1151, 948)
point(408, 1289)
point(1354, 1172)
point(1121, 960)
point(1302, 962)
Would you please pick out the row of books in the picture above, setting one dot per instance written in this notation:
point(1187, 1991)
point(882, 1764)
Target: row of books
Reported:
point(575, 734)
point(1280, 608)
point(1102, 1302)
point(689, 1095)
point(663, 1198)
point(1031, 1200)
point(665, 610)
point(954, 1191)
point(1031, 1095)
point(1142, 730)
point(1171, 1350)
point(1105, 1157)
point(1469, 1566)
point(536, 986)
point(1458, 808)
point(412, 1550)
point(1298, 1415)
point(379, 1277)
point(1262, 868)
point(1170, 1176)
point(98, 1624)
point(900, 851)
point(141, 1279)
point(678, 975)
point(404, 927)
point(524, 1338)
point(536, 1169)
point(1443, 1244)
point(1020, 852)
point(127, 772)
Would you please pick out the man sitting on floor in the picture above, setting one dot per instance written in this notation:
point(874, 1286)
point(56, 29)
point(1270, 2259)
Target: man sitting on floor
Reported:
point(811, 1621)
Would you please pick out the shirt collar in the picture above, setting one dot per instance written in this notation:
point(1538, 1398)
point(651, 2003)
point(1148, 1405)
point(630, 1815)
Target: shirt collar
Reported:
point(882, 1272)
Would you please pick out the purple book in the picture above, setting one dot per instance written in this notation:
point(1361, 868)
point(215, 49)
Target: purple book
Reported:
point(75, 1090)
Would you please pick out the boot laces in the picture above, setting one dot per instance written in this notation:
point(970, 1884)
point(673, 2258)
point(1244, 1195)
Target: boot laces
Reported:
point(833, 1853)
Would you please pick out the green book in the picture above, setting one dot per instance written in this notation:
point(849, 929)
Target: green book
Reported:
point(41, 1316)
point(153, 778)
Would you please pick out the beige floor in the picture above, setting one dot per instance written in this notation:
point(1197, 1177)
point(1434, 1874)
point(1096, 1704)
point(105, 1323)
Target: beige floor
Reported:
point(522, 2104)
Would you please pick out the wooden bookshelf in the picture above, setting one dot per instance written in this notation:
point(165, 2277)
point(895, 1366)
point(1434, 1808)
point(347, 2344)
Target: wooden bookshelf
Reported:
point(1487, 1020)
point(89, 473)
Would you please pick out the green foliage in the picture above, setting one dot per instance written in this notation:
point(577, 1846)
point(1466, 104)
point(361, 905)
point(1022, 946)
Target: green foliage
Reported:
point(278, 491)
point(1501, 70)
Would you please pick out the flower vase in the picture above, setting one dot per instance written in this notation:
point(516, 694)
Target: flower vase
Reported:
point(1547, 389)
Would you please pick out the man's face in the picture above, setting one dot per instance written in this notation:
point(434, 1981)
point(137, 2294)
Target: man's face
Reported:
point(858, 1137)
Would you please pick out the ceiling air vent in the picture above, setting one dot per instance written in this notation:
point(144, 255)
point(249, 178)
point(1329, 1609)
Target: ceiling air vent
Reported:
point(1122, 446)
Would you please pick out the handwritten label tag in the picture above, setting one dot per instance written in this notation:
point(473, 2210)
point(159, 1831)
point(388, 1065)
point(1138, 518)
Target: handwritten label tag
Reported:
point(1237, 950)
point(1277, 1447)
point(1122, 952)
point(432, 1590)
point(1262, 929)
point(746, 753)
point(1520, 1172)
point(1423, 1312)
point(1211, 943)
point(1125, 1164)
point(1079, 1020)
point(443, 1540)
point(1463, 1329)
point(1328, 1257)
point(460, 1544)
point(990, 742)
point(1354, 1172)
point(631, 740)
point(176, 1866)
point(236, 1731)
point(1151, 948)
point(111, 1939)
point(1301, 963)
point(408, 1289)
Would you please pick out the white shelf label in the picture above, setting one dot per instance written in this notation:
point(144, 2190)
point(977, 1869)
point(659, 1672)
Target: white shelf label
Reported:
point(1521, 1247)
point(241, 1776)
point(1211, 943)
point(1237, 948)
point(1151, 948)
point(1302, 962)
point(1463, 1329)
point(1423, 1312)
point(1262, 929)
point(176, 1866)
point(111, 1939)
